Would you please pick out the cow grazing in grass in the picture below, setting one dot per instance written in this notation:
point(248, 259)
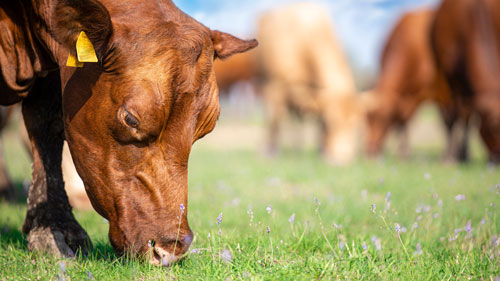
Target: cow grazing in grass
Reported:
point(130, 85)
point(408, 77)
point(466, 43)
point(303, 69)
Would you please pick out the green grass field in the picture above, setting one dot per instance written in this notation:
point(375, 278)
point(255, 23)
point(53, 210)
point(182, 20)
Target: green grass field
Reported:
point(297, 218)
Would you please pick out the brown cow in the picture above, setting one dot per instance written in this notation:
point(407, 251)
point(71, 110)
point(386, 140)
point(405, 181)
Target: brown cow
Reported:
point(303, 69)
point(408, 77)
point(466, 43)
point(130, 119)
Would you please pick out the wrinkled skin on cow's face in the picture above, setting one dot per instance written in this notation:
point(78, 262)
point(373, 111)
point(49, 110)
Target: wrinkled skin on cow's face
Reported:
point(130, 120)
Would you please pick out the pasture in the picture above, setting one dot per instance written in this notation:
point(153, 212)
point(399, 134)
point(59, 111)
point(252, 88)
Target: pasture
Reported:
point(295, 217)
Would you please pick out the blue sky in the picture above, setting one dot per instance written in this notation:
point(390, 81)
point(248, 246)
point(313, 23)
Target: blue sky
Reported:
point(361, 25)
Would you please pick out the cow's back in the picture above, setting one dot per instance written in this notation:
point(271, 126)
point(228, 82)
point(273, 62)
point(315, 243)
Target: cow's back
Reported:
point(298, 46)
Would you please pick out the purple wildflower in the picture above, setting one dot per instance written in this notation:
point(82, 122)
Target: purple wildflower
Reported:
point(268, 230)
point(291, 219)
point(62, 267)
point(341, 245)
point(378, 244)
point(373, 238)
point(468, 227)
point(219, 218)
point(418, 250)
point(388, 196)
point(149, 244)
point(483, 221)
point(415, 225)
point(90, 276)
point(397, 227)
point(460, 197)
point(337, 226)
point(316, 202)
point(440, 203)
point(208, 236)
point(364, 246)
point(373, 208)
point(268, 209)
point(182, 208)
point(436, 215)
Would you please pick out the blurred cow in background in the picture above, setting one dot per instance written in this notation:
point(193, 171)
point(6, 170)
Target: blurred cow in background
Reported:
point(236, 69)
point(466, 42)
point(408, 77)
point(303, 69)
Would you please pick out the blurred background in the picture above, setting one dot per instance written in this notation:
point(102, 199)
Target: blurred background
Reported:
point(344, 80)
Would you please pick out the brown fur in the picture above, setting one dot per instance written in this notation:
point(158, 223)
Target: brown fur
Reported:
point(408, 77)
point(303, 68)
point(129, 120)
point(466, 43)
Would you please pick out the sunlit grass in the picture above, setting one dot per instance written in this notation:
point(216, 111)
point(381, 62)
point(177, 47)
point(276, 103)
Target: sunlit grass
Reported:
point(297, 218)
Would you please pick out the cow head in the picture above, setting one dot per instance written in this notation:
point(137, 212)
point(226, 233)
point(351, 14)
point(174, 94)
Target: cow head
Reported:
point(131, 118)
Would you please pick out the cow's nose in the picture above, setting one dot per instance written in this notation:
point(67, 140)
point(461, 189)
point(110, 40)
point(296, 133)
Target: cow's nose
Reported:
point(166, 255)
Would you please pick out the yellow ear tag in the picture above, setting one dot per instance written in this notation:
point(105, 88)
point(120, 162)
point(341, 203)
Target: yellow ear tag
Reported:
point(85, 49)
point(73, 61)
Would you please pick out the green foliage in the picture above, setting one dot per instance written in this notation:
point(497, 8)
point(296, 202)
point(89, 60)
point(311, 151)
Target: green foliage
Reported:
point(336, 237)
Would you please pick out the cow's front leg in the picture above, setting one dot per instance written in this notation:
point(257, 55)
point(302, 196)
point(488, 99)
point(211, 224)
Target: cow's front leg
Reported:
point(50, 224)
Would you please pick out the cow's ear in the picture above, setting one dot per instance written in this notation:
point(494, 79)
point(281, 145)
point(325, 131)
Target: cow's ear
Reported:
point(226, 45)
point(71, 17)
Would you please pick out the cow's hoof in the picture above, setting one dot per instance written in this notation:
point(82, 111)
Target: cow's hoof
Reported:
point(60, 243)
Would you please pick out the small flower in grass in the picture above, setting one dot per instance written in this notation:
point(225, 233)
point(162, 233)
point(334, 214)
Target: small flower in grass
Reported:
point(458, 230)
point(341, 245)
point(62, 267)
point(337, 226)
point(418, 249)
point(219, 218)
point(483, 221)
point(268, 230)
point(90, 276)
point(397, 227)
point(415, 225)
point(403, 229)
point(419, 218)
point(291, 219)
point(419, 209)
point(150, 244)
point(316, 202)
point(268, 209)
point(388, 196)
point(208, 236)
point(226, 256)
point(460, 197)
point(378, 244)
point(365, 247)
point(436, 215)
point(468, 227)
point(195, 251)
point(427, 208)
point(373, 208)
point(182, 208)
point(440, 203)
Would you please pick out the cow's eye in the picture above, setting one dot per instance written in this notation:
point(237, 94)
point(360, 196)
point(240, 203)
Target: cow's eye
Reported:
point(131, 120)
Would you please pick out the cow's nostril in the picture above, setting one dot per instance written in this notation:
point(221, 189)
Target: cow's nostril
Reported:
point(161, 257)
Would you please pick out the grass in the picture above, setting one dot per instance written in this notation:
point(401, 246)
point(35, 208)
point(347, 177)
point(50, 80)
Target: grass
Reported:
point(336, 236)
